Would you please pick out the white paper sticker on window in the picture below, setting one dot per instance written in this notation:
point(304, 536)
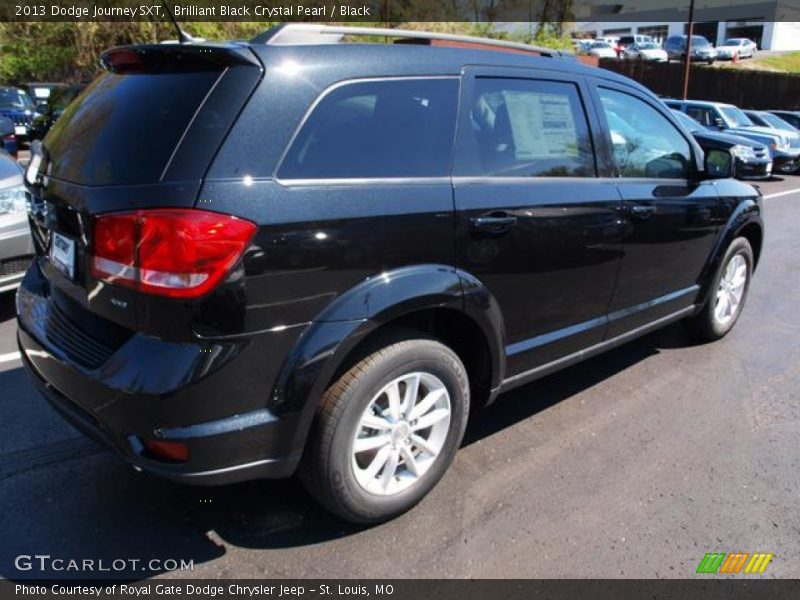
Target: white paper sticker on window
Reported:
point(542, 125)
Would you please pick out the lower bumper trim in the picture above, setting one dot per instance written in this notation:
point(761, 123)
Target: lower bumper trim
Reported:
point(268, 468)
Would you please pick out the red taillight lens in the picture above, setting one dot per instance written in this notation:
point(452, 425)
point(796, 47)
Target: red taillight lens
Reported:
point(180, 253)
point(172, 451)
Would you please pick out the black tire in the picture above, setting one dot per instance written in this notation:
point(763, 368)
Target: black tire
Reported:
point(705, 326)
point(327, 469)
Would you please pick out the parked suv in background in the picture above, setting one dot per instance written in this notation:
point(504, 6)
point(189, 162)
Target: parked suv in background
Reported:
point(753, 160)
point(336, 250)
point(15, 104)
point(790, 116)
point(784, 146)
point(764, 118)
point(702, 50)
point(628, 40)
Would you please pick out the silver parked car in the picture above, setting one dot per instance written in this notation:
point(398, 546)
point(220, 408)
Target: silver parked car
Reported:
point(645, 51)
point(741, 47)
point(16, 245)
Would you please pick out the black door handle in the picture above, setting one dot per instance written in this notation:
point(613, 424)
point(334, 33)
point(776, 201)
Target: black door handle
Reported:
point(493, 224)
point(642, 211)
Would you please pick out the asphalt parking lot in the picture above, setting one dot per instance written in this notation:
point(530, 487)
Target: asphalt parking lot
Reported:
point(633, 464)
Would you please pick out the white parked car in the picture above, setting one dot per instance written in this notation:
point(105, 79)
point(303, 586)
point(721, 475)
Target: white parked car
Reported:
point(645, 51)
point(744, 47)
point(602, 50)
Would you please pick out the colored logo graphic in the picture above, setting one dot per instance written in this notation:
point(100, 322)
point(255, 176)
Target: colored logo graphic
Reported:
point(737, 562)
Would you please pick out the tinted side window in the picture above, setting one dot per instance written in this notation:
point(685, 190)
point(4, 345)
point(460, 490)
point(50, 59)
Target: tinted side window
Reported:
point(523, 127)
point(702, 114)
point(645, 142)
point(793, 120)
point(388, 128)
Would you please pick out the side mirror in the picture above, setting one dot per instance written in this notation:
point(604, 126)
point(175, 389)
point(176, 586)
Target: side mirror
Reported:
point(719, 164)
point(6, 127)
point(718, 122)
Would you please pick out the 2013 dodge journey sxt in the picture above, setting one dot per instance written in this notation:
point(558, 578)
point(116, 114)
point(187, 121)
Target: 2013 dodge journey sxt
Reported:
point(296, 255)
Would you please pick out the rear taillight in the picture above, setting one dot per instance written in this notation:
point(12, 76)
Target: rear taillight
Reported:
point(168, 451)
point(179, 253)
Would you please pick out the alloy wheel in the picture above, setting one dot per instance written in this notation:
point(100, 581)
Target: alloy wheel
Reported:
point(731, 290)
point(401, 433)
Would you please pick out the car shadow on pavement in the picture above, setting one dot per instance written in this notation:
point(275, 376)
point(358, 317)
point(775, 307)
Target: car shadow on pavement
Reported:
point(528, 400)
point(64, 497)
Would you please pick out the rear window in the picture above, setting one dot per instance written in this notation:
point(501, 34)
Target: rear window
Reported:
point(377, 129)
point(124, 128)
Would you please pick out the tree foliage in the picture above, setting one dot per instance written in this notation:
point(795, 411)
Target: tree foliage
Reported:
point(68, 52)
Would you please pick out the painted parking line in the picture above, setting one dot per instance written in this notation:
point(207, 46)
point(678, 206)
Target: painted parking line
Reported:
point(9, 357)
point(786, 193)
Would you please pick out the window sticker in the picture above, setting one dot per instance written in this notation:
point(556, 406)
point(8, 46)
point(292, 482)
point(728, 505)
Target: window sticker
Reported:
point(542, 125)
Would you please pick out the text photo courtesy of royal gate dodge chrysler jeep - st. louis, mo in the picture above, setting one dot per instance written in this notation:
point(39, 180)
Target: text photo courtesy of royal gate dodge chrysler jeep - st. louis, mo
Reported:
point(399, 299)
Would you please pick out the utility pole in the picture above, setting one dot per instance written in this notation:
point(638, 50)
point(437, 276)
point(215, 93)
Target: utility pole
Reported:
point(687, 61)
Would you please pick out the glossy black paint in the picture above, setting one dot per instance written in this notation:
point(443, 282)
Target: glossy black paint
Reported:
point(535, 272)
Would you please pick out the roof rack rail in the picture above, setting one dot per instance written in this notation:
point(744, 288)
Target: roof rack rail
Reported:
point(290, 34)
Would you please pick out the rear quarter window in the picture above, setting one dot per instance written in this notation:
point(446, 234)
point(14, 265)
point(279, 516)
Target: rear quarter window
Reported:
point(123, 129)
point(377, 129)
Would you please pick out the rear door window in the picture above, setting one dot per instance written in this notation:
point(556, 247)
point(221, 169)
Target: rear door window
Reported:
point(377, 129)
point(124, 128)
point(526, 128)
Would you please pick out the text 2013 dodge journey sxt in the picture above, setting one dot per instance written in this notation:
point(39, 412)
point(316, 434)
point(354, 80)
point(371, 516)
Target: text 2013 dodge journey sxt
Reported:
point(296, 255)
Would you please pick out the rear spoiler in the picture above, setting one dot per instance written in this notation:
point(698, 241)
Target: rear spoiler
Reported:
point(176, 58)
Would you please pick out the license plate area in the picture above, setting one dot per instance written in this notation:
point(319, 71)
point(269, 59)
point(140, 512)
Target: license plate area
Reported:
point(62, 254)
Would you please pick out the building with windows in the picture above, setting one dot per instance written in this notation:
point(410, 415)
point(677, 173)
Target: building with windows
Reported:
point(772, 25)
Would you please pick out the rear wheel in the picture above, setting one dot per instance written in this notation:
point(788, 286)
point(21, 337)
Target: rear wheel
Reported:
point(387, 430)
point(730, 287)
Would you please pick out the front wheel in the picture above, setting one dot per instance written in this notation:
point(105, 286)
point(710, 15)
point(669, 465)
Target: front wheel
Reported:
point(729, 292)
point(387, 430)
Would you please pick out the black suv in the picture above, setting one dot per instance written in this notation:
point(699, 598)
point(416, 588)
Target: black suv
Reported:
point(317, 257)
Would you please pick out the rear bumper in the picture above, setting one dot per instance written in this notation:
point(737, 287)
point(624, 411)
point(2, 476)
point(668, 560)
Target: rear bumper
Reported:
point(231, 434)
